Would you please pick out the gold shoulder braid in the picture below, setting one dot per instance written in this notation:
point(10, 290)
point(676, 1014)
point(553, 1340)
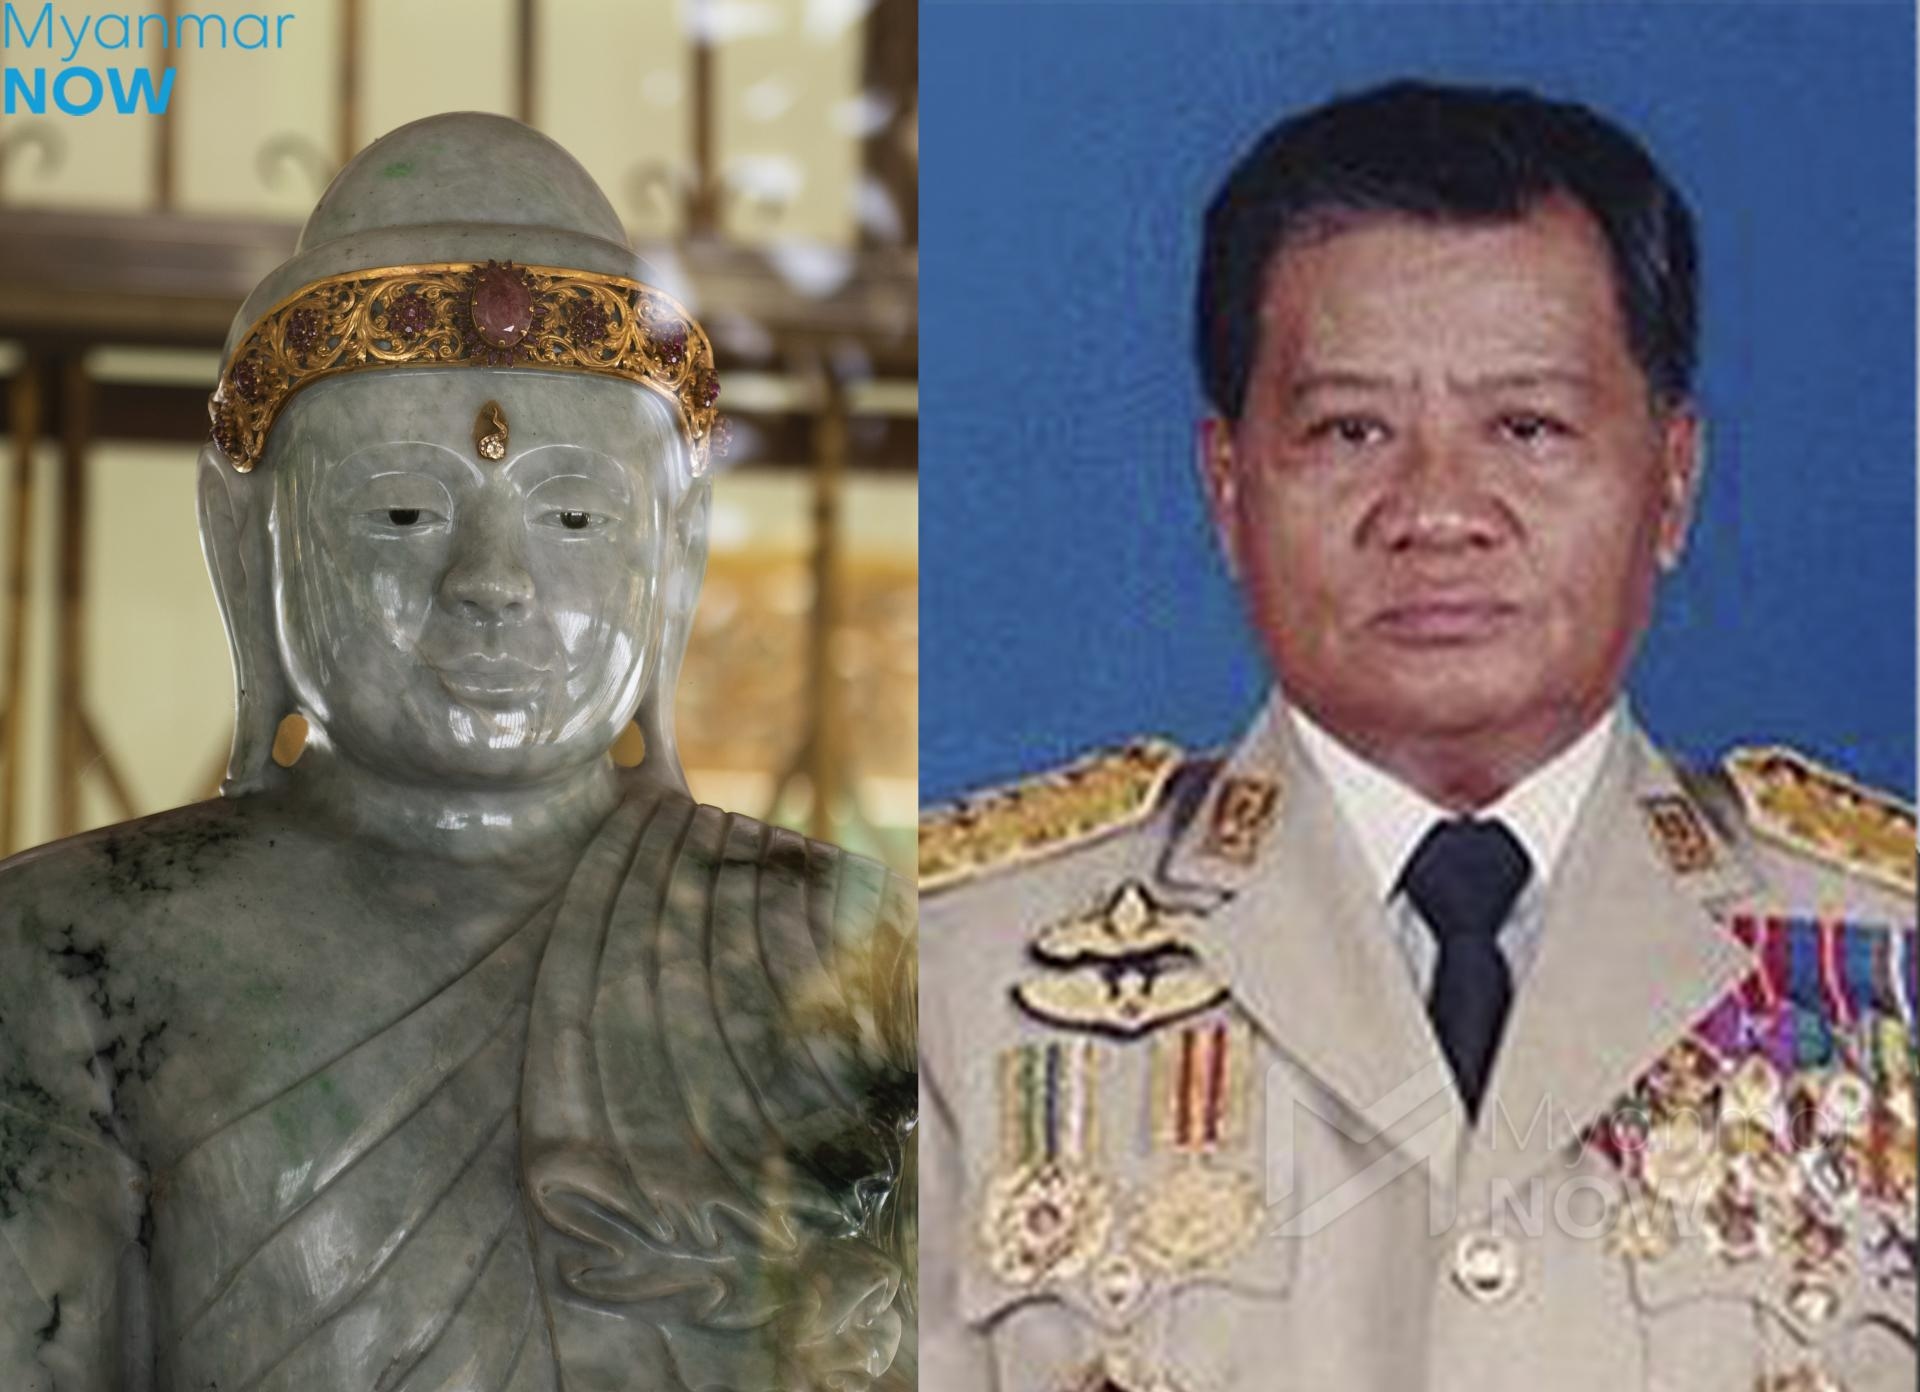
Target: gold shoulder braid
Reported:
point(467, 314)
point(1044, 814)
point(1807, 807)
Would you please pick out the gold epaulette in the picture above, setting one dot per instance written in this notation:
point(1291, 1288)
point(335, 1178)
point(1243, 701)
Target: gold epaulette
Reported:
point(1807, 807)
point(1044, 814)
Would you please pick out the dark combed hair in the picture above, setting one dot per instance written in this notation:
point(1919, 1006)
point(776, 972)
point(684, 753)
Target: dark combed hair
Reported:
point(1449, 155)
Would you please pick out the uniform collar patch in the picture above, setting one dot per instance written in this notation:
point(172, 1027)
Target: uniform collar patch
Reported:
point(1679, 833)
point(1242, 810)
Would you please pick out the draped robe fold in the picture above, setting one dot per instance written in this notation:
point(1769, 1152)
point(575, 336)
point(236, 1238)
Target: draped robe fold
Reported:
point(660, 1137)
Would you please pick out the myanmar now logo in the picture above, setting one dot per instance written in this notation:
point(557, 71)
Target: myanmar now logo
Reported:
point(78, 89)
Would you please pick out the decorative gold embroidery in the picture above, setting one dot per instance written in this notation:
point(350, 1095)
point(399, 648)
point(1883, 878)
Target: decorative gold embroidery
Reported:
point(1813, 809)
point(1044, 815)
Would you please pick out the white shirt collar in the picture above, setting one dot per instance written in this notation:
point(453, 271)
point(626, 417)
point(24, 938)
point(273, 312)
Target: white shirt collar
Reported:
point(1389, 818)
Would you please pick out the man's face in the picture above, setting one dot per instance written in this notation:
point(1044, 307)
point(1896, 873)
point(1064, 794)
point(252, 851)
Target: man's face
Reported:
point(446, 616)
point(1449, 490)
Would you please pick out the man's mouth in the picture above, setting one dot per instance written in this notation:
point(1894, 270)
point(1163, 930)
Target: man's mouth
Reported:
point(1444, 622)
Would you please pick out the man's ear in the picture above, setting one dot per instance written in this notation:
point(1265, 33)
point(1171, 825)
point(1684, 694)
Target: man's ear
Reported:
point(1683, 458)
point(1221, 483)
point(239, 556)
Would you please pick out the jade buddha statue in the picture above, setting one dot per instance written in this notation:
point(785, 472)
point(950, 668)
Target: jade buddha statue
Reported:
point(455, 1055)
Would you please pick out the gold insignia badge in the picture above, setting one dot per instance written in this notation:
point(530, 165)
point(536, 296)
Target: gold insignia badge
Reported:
point(1679, 833)
point(1243, 809)
point(1125, 1000)
point(1048, 1214)
point(1130, 967)
point(1046, 1223)
point(1199, 1216)
point(1131, 924)
point(1782, 1132)
point(1817, 811)
point(1043, 815)
point(1202, 1211)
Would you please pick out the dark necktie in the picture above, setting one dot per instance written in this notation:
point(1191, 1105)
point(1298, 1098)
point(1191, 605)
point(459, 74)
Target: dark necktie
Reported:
point(1463, 878)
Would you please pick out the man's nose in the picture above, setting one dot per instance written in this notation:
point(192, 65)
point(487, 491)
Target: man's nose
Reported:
point(488, 581)
point(1441, 496)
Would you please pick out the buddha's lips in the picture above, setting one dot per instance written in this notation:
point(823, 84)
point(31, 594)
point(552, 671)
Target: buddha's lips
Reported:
point(494, 678)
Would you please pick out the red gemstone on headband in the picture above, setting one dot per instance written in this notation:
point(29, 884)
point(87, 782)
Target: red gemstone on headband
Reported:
point(589, 323)
point(303, 330)
point(410, 315)
point(670, 344)
point(247, 380)
point(226, 434)
point(502, 306)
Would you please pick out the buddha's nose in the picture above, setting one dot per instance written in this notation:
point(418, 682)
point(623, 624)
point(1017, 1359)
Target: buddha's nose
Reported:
point(488, 580)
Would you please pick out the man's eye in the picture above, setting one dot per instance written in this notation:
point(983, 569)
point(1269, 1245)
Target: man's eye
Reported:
point(573, 521)
point(403, 517)
point(1531, 427)
point(1353, 431)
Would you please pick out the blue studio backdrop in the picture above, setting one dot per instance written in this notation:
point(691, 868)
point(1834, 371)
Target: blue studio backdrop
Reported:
point(1070, 592)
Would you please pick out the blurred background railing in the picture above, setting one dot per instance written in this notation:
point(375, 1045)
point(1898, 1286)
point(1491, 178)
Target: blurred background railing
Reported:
point(762, 154)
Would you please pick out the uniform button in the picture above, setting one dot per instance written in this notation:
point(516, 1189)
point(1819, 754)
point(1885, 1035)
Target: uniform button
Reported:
point(1486, 1266)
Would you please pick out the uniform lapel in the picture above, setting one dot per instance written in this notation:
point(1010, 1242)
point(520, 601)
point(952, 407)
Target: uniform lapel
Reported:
point(1632, 954)
point(1299, 929)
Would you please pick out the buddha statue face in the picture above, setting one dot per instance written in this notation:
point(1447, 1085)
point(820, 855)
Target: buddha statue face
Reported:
point(449, 617)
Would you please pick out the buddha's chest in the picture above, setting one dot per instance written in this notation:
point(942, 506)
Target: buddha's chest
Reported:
point(336, 1172)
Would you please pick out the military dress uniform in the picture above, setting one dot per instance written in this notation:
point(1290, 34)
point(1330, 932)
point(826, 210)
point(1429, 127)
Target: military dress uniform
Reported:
point(1188, 1127)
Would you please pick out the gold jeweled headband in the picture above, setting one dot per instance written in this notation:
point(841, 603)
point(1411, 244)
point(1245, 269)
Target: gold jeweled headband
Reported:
point(467, 313)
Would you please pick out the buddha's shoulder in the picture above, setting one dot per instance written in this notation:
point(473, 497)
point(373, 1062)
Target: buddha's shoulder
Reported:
point(997, 858)
point(1821, 843)
point(785, 871)
point(98, 874)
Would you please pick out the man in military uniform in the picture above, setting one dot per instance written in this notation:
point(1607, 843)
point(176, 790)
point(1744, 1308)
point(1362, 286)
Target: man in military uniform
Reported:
point(1443, 1034)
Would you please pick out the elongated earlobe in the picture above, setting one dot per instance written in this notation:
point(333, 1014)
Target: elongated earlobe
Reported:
point(234, 542)
point(686, 568)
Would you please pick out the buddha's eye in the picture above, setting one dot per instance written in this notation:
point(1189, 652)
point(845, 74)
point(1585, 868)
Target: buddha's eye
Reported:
point(572, 519)
point(413, 521)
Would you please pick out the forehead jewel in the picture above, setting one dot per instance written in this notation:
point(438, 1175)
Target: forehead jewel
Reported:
point(490, 432)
